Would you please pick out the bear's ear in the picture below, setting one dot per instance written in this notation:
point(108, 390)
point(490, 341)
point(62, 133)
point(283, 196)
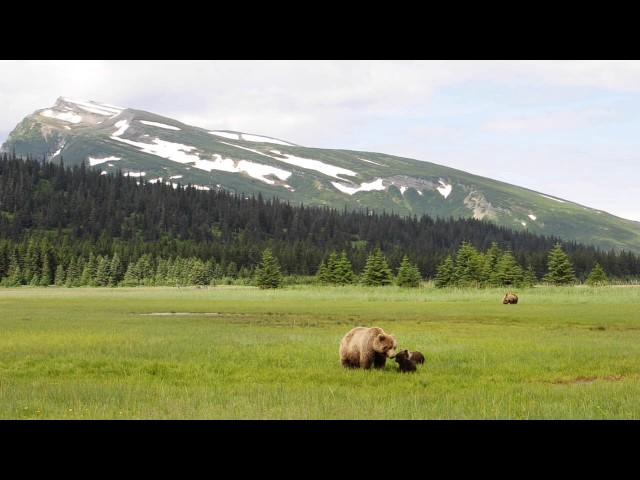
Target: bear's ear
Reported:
point(381, 337)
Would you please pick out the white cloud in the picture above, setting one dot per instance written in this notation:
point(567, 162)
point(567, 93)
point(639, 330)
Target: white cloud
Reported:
point(303, 101)
point(551, 120)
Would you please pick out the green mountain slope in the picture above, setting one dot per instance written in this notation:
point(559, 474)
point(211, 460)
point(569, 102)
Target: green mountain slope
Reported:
point(161, 149)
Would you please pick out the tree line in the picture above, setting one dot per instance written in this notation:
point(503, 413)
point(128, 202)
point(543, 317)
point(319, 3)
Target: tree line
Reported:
point(73, 226)
point(498, 268)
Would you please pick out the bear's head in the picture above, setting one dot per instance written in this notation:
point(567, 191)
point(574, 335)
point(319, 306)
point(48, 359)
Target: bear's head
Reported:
point(402, 356)
point(385, 343)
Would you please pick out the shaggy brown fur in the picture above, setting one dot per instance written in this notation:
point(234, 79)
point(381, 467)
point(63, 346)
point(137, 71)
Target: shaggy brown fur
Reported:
point(363, 347)
point(406, 365)
point(416, 357)
point(510, 298)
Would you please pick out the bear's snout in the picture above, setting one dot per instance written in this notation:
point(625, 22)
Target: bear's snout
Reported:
point(391, 353)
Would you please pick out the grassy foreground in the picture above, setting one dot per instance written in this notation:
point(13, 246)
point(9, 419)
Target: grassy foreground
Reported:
point(92, 353)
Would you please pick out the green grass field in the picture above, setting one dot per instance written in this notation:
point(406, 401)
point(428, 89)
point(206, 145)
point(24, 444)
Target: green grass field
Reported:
point(92, 353)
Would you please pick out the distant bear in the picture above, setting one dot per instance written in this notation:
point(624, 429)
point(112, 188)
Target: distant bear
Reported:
point(510, 298)
point(416, 357)
point(363, 347)
point(405, 363)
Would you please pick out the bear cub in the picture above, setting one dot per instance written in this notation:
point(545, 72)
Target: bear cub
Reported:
point(405, 363)
point(416, 357)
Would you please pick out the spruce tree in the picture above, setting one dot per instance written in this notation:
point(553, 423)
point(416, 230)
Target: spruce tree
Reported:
point(244, 273)
point(530, 277)
point(60, 279)
point(198, 273)
point(210, 266)
point(14, 277)
point(89, 271)
point(332, 263)
point(490, 260)
point(268, 272)
point(323, 274)
point(46, 278)
point(560, 269)
point(468, 268)
point(103, 272)
point(342, 270)
point(32, 263)
point(232, 270)
point(445, 273)
point(145, 270)
point(507, 271)
point(376, 271)
point(116, 271)
point(597, 277)
point(131, 277)
point(218, 272)
point(408, 274)
point(73, 274)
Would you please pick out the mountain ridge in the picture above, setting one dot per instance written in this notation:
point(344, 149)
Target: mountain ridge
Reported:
point(160, 149)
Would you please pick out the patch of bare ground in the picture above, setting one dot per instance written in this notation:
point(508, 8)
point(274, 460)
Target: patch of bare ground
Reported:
point(162, 314)
point(587, 380)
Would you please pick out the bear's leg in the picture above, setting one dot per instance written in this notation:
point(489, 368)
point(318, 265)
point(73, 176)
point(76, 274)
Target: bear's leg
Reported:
point(366, 361)
point(347, 363)
point(350, 360)
point(379, 360)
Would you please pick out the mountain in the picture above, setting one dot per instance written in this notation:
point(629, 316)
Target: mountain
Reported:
point(160, 149)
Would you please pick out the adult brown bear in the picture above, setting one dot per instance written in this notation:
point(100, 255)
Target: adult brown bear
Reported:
point(363, 347)
point(510, 298)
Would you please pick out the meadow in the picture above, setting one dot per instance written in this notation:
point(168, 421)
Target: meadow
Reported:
point(234, 352)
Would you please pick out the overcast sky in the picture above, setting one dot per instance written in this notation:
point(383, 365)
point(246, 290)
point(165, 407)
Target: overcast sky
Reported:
point(566, 128)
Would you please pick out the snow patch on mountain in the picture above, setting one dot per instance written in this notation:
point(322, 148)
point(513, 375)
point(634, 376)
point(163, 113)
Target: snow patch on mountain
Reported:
point(122, 126)
point(180, 153)
point(369, 161)
point(98, 161)
point(135, 174)
point(364, 187)
point(156, 124)
point(248, 137)
point(70, 117)
point(444, 188)
point(248, 149)
point(532, 217)
point(260, 171)
point(259, 138)
point(219, 133)
point(317, 165)
point(552, 198)
point(93, 107)
point(307, 163)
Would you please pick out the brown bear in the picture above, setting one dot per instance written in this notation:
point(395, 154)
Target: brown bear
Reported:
point(405, 363)
point(416, 357)
point(363, 347)
point(510, 298)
